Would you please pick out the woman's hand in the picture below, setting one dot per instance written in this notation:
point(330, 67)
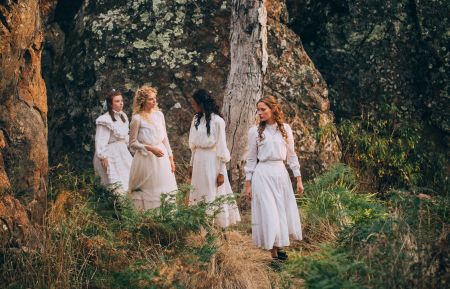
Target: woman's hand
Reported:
point(248, 191)
point(220, 180)
point(155, 150)
point(172, 165)
point(104, 163)
point(300, 188)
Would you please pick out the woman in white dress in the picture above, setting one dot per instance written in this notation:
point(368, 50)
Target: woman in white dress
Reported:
point(112, 160)
point(275, 215)
point(210, 154)
point(152, 169)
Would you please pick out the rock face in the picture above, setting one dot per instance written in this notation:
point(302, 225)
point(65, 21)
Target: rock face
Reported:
point(23, 105)
point(381, 53)
point(176, 46)
point(293, 78)
point(16, 230)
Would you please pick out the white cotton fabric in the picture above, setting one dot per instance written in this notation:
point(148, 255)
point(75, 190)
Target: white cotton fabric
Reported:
point(275, 215)
point(150, 176)
point(111, 143)
point(209, 157)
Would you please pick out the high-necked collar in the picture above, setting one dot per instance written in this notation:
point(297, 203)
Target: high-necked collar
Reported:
point(118, 113)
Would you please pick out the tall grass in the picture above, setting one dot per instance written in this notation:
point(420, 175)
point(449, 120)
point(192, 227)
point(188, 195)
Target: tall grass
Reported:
point(94, 239)
point(331, 202)
point(362, 242)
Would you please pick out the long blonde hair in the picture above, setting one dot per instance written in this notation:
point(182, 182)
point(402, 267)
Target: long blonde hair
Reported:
point(277, 114)
point(140, 97)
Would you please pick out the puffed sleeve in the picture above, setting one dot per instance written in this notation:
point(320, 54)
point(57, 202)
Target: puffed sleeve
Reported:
point(291, 156)
point(135, 145)
point(252, 154)
point(102, 134)
point(222, 152)
point(191, 142)
point(166, 138)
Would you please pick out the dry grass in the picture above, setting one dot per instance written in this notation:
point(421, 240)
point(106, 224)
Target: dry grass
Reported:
point(236, 265)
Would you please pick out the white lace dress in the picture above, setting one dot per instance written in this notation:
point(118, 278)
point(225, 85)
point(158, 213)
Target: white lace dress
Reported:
point(150, 176)
point(275, 215)
point(111, 143)
point(209, 157)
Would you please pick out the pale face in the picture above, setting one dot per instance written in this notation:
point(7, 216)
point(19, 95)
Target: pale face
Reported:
point(195, 106)
point(117, 103)
point(264, 112)
point(150, 103)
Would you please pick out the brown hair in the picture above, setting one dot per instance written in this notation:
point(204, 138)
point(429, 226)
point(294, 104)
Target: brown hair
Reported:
point(140, 97)
point(109, 101)
point(277, 115)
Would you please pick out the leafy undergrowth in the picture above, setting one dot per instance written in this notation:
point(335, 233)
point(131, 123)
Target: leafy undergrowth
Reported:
point(354, 240)
point(95, 239)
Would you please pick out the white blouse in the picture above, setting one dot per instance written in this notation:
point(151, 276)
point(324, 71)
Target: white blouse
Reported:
point(109, 131)
point(151, 131)
point(272, 148)
point(199, 139)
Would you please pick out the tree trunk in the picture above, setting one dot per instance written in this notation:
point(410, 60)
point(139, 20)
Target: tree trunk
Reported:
point(245, 81)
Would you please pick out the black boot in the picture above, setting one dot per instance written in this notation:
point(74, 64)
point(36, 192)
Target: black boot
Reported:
point(282, 255)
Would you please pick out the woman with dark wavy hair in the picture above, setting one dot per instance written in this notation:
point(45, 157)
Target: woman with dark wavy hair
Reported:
point(209, 157)
point(275, 216)
point(112, 160)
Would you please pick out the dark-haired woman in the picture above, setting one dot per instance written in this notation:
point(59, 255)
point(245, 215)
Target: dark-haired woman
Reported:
point(275, 216)
point(112, 160)
point(209, 157)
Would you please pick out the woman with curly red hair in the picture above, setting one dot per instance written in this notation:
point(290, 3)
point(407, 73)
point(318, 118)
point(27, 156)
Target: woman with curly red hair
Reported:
point(275, 215)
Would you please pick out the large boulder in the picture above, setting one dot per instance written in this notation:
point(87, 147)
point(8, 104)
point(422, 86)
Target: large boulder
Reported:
point(23, 105)
point(377, 53)
point(293, 77)
point(176, 46)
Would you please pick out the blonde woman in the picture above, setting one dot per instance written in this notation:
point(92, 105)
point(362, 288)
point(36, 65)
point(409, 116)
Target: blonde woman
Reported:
point(152, 169)
point(275, 215)
point(112, 160)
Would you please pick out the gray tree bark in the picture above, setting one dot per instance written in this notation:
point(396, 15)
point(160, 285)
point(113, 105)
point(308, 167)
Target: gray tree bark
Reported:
point(248, 46)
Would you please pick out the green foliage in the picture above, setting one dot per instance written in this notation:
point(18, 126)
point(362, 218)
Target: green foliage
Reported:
point(407, 249)
point(329, 269)
point(401, 242)
point(136, 276)
point(389, 149)
point(94, 237)
point(331, 202)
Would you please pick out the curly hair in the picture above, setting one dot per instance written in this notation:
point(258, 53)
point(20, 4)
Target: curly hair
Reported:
point(140, 97)
point(277, 115)
point(208, 106)
point(109, 101)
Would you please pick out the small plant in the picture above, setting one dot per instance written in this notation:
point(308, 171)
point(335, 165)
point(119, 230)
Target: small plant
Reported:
point(331, 268)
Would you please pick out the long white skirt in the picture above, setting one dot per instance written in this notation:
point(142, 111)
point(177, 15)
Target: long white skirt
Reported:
point(150, 176)
point(119, 164)
point(275, 215)
point(205, 169)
